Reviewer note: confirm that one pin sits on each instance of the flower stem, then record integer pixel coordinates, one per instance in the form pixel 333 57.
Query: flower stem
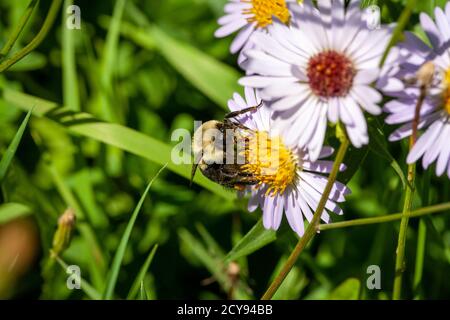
pixel 421 237
pixel 312 227
pixel 18 30
pixel 400 252
pixel 386 218
pixel 52 13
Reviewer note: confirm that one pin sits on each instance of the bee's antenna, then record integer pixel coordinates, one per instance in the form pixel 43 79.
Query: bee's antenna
pixel 194 169
pixel 234 114
pixel 259 105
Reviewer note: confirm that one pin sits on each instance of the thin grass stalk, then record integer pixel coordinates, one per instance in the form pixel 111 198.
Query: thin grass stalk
pixel 48 23
pixel 18 30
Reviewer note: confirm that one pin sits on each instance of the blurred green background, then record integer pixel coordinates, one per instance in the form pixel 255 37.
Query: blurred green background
pixel 154 66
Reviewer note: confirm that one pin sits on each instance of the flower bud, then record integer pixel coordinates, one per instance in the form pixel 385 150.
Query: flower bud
pixel 63 235
pixel 426 73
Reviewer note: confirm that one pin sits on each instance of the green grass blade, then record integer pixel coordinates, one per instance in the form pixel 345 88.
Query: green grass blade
pixel 117 261
pixel 84 189
pixel 33 61
pixel 115 135
pixel 10 211
pixel 142 292
pixel 379 146
pixel 348 290
pixel 108 66
pixel 18 29
pixel 69 70
pixel 138 282
pixel 111 46
pixel 367 3
pixel 213 78
pixel 12 148
pixel 255 239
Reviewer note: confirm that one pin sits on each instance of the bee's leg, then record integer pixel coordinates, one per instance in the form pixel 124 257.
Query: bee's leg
pixel 234 114
pixel 194 169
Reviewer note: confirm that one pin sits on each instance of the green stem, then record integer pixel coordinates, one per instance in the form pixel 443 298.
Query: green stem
pixel 52 13
pixel 312 227
pixel 385 218
pixel 421 236
pixel 18 30
pixel 409 195
pixel 420 255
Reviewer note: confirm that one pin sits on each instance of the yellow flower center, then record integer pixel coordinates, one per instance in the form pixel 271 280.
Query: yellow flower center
pixel 262 11
pixel 447 92
pixel 270 162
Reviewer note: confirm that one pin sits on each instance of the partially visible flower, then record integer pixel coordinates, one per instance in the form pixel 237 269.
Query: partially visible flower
pixel 319 68
pixel 248 16
pixel 400 81
pixel 289 182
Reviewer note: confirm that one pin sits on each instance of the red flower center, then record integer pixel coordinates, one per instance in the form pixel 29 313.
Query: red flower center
pixel 330 74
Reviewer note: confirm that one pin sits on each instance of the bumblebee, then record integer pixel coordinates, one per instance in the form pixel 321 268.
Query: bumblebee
pixel 215 143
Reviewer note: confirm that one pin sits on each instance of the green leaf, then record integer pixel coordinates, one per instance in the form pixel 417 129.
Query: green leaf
pixel 255 239
pixel 10 211
pixel 33 61
pixel 138 282
pixel 379 146
pixel 213 78
pixel 348 290
pixel 353 160
pixel 117 261
pixel 12 148
pixel 115 135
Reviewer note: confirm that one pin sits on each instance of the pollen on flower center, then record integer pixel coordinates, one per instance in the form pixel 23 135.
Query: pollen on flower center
pixel 270 162
pixel 330 74
pixel 262 11
pixel 447 92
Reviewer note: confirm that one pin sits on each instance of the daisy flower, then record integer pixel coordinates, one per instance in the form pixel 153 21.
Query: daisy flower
pixel 249 16
pixel 399 81
pixel 288 181
pixel 319 68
